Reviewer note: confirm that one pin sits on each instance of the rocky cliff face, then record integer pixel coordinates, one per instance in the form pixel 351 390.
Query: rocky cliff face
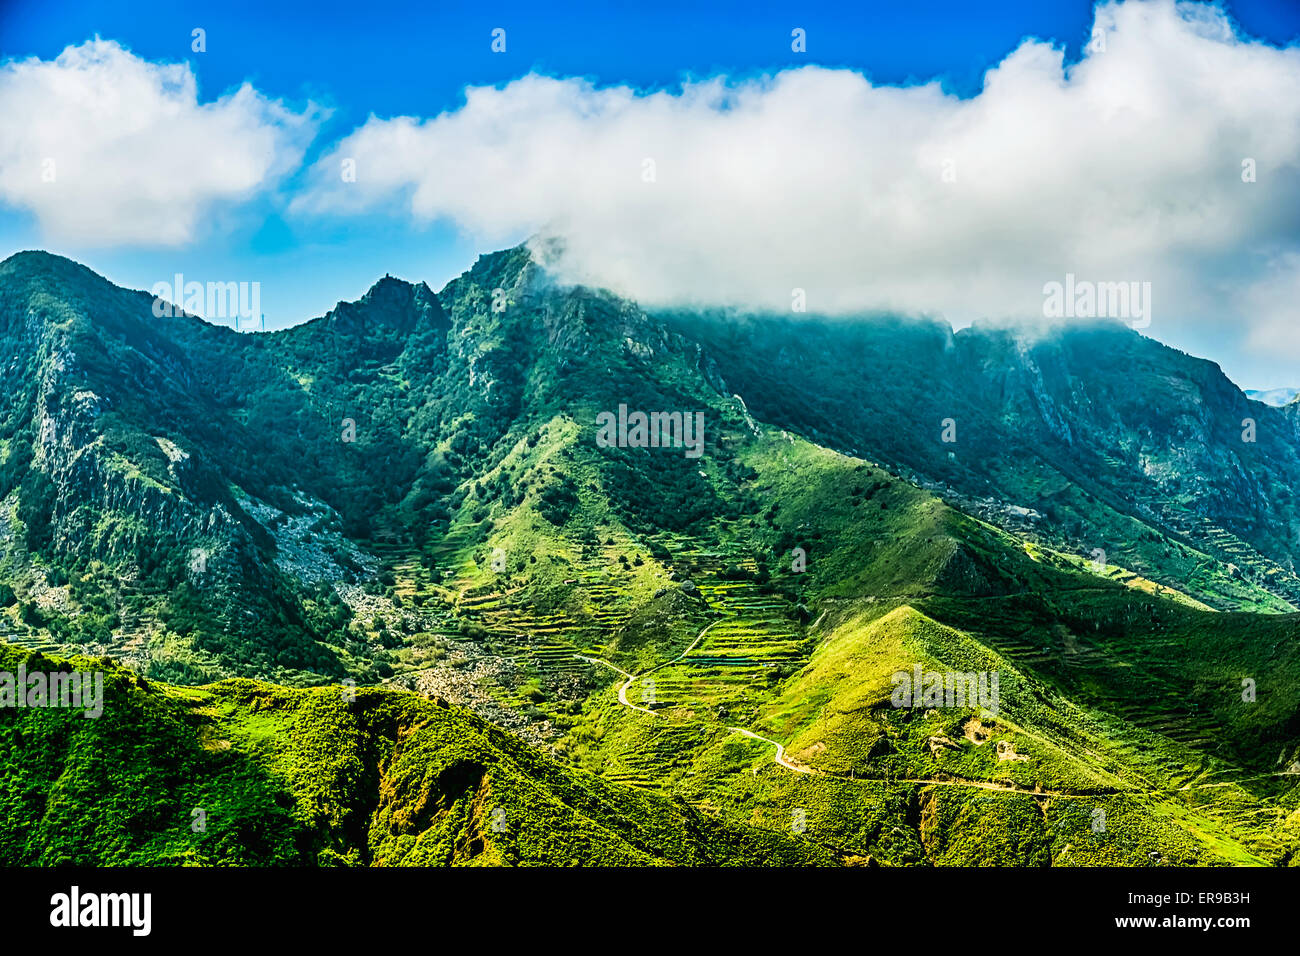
pixel 112 468
pixel 1159 428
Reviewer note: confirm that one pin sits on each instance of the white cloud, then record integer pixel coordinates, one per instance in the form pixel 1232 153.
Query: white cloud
pixel 104 147
pixel 1124 166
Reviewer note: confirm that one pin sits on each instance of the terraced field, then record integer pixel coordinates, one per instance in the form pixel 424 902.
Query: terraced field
pixel 461 600
pixel 31 641
pixel 753 633
pixel 1244 559
pixel 667 749
pixel 749 638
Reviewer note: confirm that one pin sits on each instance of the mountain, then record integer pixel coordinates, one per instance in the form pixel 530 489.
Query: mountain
pixel 1276 397
pixel 687 648
pixel 1086 437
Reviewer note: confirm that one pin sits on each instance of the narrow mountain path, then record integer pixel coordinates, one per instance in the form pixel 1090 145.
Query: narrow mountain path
pixel 1227 783
pixel 781 758
pixel 789 764
pixel 622 691
pixel 990 785
pixel 597 660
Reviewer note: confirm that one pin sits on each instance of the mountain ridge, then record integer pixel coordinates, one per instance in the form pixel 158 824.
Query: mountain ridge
pixel 410 492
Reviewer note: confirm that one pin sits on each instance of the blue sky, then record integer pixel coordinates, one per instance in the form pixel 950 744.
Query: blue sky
pixel 392 59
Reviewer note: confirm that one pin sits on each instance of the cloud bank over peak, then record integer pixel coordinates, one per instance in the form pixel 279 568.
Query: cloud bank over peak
pixel 104 147
pixel 1130 165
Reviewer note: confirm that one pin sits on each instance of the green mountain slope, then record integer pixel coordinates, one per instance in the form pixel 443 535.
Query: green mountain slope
pixel 244 773
pixel 1112 699
pixel 410 492
pixel 1085 437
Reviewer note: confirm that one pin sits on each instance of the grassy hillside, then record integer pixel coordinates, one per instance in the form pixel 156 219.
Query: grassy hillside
pixel 307 777
pixel 1098 710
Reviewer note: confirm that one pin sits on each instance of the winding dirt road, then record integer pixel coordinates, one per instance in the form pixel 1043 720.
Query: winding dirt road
pixel 781 758
pixel 622 691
